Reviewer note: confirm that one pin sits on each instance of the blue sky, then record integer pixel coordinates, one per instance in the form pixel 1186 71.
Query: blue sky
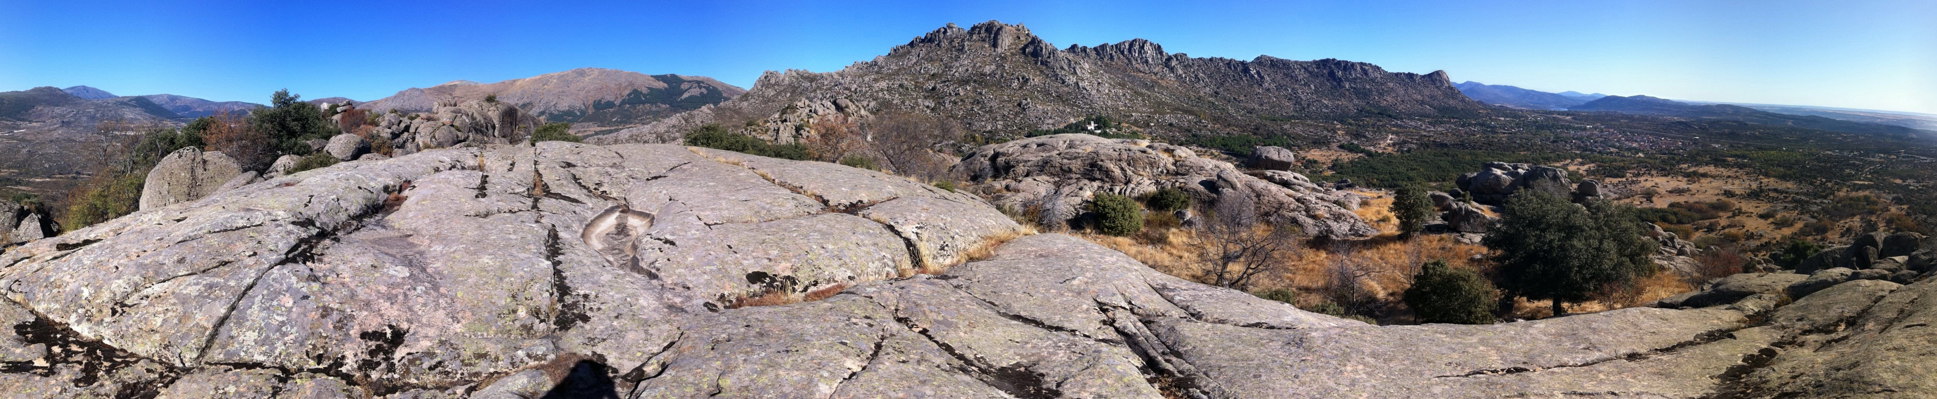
pixel 1850 53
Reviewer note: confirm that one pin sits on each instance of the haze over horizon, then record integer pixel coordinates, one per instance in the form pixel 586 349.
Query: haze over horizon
pixel 1856 54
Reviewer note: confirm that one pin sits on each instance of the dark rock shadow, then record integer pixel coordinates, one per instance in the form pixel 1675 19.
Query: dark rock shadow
pixel 588 379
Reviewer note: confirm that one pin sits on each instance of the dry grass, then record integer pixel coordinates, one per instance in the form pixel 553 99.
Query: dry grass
pixel 1387 262
pixel 1326 157
pixel 785 297
pixel 1377 210
pixel 1645 291
pixel 986 249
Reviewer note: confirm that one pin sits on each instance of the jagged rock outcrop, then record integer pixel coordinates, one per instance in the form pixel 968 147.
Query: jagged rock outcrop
pixel 567 269
pixel 1876 250
pixel 1054 175
pixel 474 122
pixel 186 175
pixel 1001 78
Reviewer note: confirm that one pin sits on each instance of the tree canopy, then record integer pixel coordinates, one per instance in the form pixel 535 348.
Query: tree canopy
pixel 1549 248
pixel 290 123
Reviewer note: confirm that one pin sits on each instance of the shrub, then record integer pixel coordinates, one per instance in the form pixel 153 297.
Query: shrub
pixel 1442 294
pixel 103 198
pixel 290 123
pixel 313 161
pixel 716 137
pixel 555 132
pixel 1413 208
pixel 946 185
pixel 492 98
pixel 1116 215
pixel 115 189
pixel 1548 248
pixel 1280 295
pixel 1169 200
pixel 859 162
pixel 235 137
pixel 1794 252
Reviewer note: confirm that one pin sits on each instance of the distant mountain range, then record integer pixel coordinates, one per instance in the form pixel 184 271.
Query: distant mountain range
pixel 1645 105
pixel 1515 97
pixel 593 97
pixel 1823 118
pixel 1000 79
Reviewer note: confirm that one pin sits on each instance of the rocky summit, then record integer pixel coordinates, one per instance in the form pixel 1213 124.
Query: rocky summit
pixel 997 77
pixel 647 271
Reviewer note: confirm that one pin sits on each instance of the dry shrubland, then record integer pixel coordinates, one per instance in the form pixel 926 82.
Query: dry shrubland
pixel 1364 277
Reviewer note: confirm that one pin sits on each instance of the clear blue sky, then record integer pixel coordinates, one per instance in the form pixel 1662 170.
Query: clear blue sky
pixel 1848 53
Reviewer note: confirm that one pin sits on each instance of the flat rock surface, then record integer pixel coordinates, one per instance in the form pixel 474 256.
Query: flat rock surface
pixel 620 271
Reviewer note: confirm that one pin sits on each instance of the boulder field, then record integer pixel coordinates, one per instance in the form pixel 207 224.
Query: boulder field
pixel 627 271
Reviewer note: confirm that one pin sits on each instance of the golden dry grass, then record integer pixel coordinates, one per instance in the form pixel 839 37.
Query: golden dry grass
pixel 986 249
pixel 784 297
pixel 1645 291
pixel 1326 157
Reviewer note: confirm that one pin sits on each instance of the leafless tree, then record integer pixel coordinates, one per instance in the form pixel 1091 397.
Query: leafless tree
pixel 1344 275
pixel 907 141
pixel 836 137
pixel 234 136
pixel 1239 245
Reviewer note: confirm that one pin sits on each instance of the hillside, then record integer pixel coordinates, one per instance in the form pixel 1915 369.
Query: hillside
pixel 998 80
pixel 191 107
pixel 592 96
pixel 48 137
pixel 1511 96
pixel 89 93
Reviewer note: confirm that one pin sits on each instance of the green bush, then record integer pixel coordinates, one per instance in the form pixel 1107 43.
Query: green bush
pixel 716 137
pixel 1280 295
pixel 313 161
pixel 555 132
pixel 1442 294
pixel 1413 208
pixel 1548 248
pixel 291 123
pixel 1169 200
pixel 1116 215
pixel 1794 252
pixel 859 162
pixel 946 185
pixel 102 199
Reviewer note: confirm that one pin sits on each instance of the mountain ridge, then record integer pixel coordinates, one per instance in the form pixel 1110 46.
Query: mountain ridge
pixel 1000 79
pixel 595 96
pixel 1516 97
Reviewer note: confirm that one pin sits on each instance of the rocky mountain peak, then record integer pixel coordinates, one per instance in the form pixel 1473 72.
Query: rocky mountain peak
pixel 88 92
pixel 1134 51
pixel 996 77
pixel 1000 37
